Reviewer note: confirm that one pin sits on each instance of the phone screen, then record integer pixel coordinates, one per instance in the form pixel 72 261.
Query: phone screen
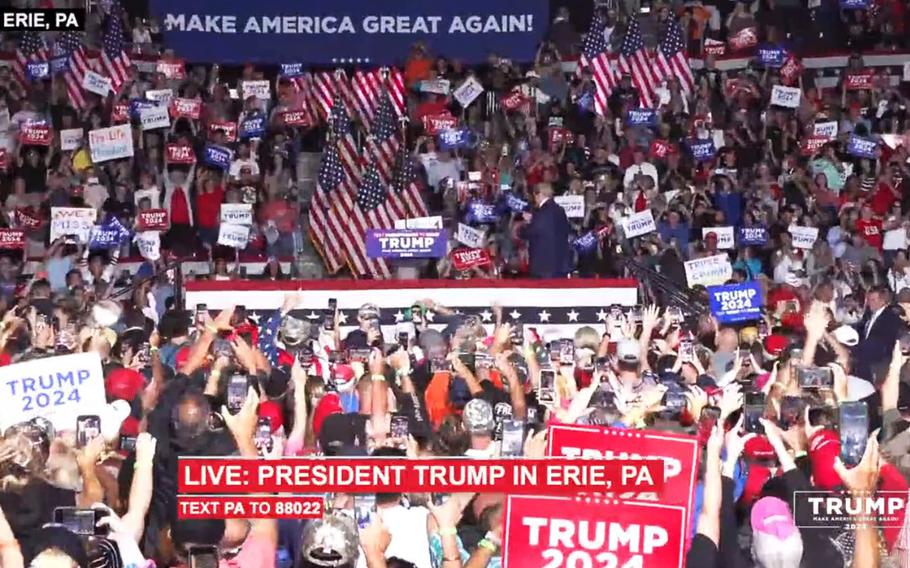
pixel 791 409
pixel 364 509
pixel 329 321
pixel 399 426
pixel 752 411
pixel 74 519
pixel 237 390
pixel 87 429
pixel 567 352
pixel 513 432
pixel 854 431
pixel 201 310
pixel 708 420
pixel 263 437
pixel 517 335
pixel 203 557
pixel 128 443
pixel 546 394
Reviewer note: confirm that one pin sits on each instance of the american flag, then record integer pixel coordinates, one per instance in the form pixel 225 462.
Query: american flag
pixel 368 87
pixel 330 86
pixel 595 56
pixel 304 85
pixel 115 61
pixel 70 45
pixel 338 225
pixel 634 60
pixel 672 58
pixel 383 149
pixel 404 183
pixel 31 48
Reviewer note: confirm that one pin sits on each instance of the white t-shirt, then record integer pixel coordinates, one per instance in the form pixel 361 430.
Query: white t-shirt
pixel 408 529
pixel 644 169
pixel 237 164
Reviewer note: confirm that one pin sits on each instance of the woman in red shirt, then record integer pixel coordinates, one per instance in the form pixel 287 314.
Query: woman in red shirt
pixel 870 228
pixel 208 209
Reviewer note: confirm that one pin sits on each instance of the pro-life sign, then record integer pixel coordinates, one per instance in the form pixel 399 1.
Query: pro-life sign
pixel 736 302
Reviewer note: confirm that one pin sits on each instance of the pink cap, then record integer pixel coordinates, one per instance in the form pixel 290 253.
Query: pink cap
pixel 771 516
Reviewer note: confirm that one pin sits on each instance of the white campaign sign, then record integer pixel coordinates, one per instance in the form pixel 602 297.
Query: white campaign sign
pixel 725 239
pixel 468 91
pixel 71 138
pixel 709 271
pixel 237 213
pixel 827 129
pixel 95 83
pixel 785 96
pixel 259 89
pixel 434 222
pixel 111 143
pixel 640 223
pixel 160 96
pixel 58 388
pixel 77 221
pixel 803 237
pixel 573 204
pixel 149 244
pixel 438 86
pixel 234 236
pixel 469 236
pixel 155 117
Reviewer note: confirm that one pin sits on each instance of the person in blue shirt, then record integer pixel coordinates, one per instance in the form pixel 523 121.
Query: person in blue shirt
pixel 728 200
pixel 673 226
pixel 748 262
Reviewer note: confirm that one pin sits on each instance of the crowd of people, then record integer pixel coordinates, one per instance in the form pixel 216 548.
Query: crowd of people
pixel 767 399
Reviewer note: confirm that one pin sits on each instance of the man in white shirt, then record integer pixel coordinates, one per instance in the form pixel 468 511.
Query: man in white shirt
pixel 444 167
pixel 639 167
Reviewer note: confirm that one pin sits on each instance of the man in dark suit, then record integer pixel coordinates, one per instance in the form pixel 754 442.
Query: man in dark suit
pixel 547 234
pixel 879 328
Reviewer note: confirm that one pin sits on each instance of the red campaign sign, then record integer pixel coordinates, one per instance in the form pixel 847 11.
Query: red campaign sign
pixel 179 154
pixel 120 113
pixel 465 259
pixel 715 49
pixel 230 130
pixel 558 134
pixel 172 69
pixel 544 532
pixel 513 100
pixel 858 81
pixel 811 145
pixel 790 70
pixel 152 220
pixel 679 453
pixel 4 159
pixel 743 39
pixel 186 108
pixel 12 239
pixel 436 123
pixel 295 118
pixel 659 149
pixel 27 219
pixel 35 135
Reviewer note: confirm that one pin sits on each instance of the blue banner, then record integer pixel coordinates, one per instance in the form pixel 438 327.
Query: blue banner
pixel 771 55
pixel 455 138
pixel 641 117
pixel 218 156
pixel 586 243
pixel 515 203
pixel 139 105
pixel 38 70
pixel 345 31
pixel 252 127
pixel 59 64
pixel 291 69
pixel 702 150
pixel 854 4
pixel 480 212
pixel 861 147
pixel 108 235
pixel 753 236
pixel 406 243
pixel 736 302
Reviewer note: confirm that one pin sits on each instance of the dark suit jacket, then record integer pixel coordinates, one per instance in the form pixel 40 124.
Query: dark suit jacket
pixel 876 349
pixel 548 240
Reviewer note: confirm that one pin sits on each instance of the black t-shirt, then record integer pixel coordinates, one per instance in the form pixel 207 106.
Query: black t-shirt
pixel 33 506
pixel 703 553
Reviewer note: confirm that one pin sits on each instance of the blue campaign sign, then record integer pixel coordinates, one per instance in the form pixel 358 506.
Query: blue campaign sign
pixel 452 138
pixel 641 117
pixel 771 55
pixel 218 156
pixel 753 236
pixel 139 105
pixel 480 212
pixel 274 31
pixel 736 302
pixel 585 243
pixel 253 127
pixel 406 243
pixel 38 70
pixel 854 4
pixel 110 234
pixel 515 203
pixel 861 147
pixel 702 150
pixel 59 64
pixel 291 69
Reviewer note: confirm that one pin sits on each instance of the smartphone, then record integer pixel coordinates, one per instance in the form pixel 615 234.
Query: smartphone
pixel 686 350
pixel 305 356
pixel 364 509
pixel 905 343
pixel 399 426
pixel 517 335
pixel 601 365
pixel 79 521
pixel 811 377
pixel 237 390
pixel 201 311
pixel 144 354
pixel 416 314
pixel 513 437
pixel 752 411
pixel 791 409
pixel 546 391
pixel 675 315
pixel 820 416
pixel 263 437
pixel 127 443
pixel 329 322
pixel 403 339
pixel 439 364
pixel 708 419
pixel 854 431
pixel 203 557
pixel 88 427
pixel 467 359
pixel 567 352
pixel 359 355
pixel 674 401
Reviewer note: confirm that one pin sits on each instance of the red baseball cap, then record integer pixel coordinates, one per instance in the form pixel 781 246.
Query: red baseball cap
pixel 271 410
pixel 124 384
pixel 775 344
